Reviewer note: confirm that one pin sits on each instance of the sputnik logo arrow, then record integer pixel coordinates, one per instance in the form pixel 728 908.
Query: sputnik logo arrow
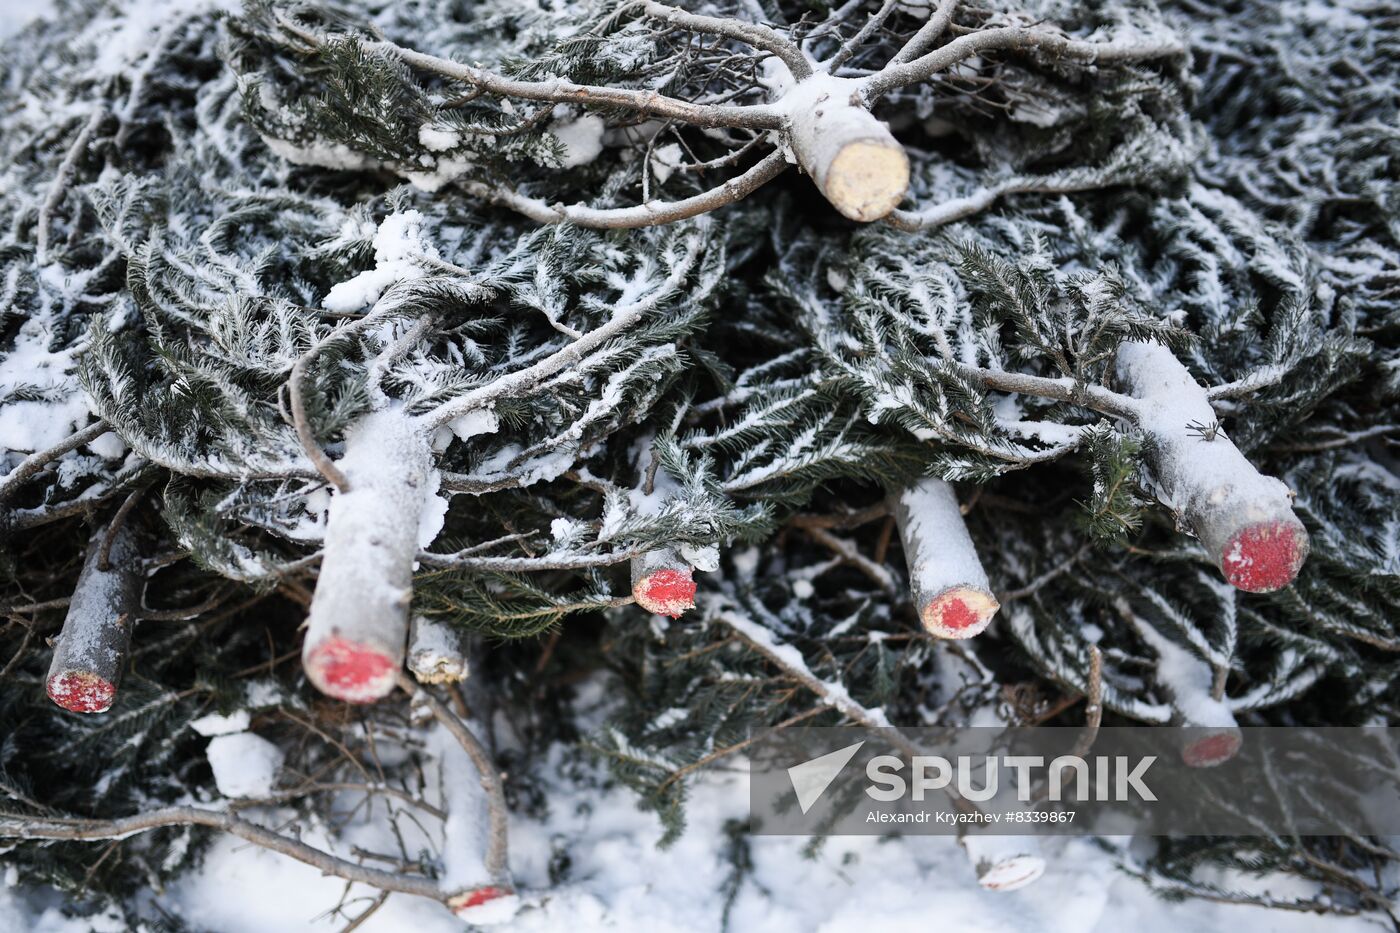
pixel 811 778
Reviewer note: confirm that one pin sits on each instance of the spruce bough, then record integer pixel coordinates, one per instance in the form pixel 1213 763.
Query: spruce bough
pixel 513 349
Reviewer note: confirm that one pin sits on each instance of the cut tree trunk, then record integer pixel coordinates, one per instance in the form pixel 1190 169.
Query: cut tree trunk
pixel 950 588
pixel 855 161
pixel 480 889
pixel 662 582
pixel 358 624
pixel 436 654
pixel 1208 746
pixel 1004 863
pixel 91 650
pixel 1208 735
pixel 1244 519
pixel 475 878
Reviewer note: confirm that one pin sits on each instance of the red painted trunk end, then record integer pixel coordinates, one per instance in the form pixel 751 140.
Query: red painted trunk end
pixel 467 900
pixel 82 692
pixel 1212 750
pixel 1263 558
pixel 351 671
pixel 666 592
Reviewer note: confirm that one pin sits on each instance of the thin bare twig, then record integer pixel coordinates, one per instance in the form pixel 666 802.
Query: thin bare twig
pixel 118 520
pixel 39 459
pixel 755 34
pixel 651 213
pixel 81 830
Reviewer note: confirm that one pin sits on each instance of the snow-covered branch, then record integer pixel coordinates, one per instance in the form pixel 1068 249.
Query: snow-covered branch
pixel 646 214
pixel 1014 38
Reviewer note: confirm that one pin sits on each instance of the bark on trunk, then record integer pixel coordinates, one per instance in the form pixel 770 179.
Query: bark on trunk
pixel 854 159
pixel 1244 519
pixel 950 588
pixel 91 649
pixel 435 652
pixel 1004 863
pixel 662 582
pixel 358 624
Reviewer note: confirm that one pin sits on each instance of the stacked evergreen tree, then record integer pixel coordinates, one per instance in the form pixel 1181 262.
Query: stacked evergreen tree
pixel 1068 371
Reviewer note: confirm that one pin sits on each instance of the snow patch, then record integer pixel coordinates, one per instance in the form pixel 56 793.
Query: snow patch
pixel 245 765
pixel 215 724
pixel 582 139
pixel 398 242
pixel 438 139
pixel 474 423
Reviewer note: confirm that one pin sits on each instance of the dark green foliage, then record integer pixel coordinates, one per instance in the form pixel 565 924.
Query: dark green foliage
pixel 232 202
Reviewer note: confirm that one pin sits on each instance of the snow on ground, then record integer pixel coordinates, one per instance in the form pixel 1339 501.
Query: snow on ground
pixel 15 14
pixel 620 881
pixel 617 880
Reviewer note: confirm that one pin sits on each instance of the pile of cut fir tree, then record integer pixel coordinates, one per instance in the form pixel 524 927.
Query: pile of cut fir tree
pixel 374 373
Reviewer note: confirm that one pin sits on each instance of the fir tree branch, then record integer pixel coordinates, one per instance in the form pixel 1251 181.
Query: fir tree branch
pixel 61 181
pixel 560 91
pixel 621 320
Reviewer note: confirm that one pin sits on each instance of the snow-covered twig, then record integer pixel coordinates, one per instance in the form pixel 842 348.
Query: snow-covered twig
pixel 647 214
pixel 1095 398
pixel 755 34
pixel 36 461
pixel 82 830
pixel 939 19
pixel 295 401
pixel 560 91
pixel 900 74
